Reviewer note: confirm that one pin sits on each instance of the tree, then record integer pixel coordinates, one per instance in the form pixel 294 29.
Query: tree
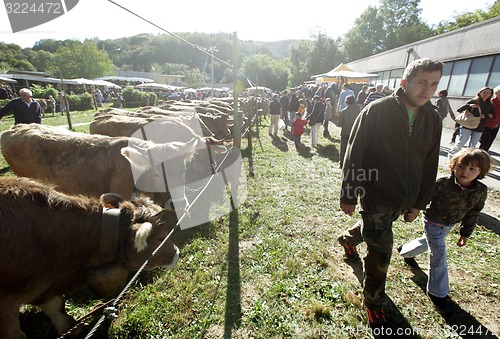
pixel 42 60
pixel 469 18
pixel 324 55
pixel 299 57
pixel 265 71
pixel 14 58
pixel 309 58
pixel 193 76
pixel 80 60
pixel 402 23
pixel 366 37
pixel 48 45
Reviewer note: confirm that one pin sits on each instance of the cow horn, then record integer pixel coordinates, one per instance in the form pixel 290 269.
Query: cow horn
pixel 159 216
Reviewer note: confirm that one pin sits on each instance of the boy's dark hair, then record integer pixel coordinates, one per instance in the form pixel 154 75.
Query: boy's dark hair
pixel 424 65
pixel 472 156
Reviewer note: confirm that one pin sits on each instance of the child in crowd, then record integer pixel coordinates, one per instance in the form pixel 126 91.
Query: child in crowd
pixel 328 117
pixel 302 106
pixel 457 198
pixel 298 125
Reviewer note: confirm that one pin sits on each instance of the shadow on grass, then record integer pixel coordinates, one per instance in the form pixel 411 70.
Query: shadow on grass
pixel 233 293
pixel 328 151
pixel 280 143
pixel 490 222
pixel 37 325
pixel 4 170
pixel 304 151
pixel 396 322
pixel 460 321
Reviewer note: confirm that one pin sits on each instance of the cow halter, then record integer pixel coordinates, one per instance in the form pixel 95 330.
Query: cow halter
pixel 109 235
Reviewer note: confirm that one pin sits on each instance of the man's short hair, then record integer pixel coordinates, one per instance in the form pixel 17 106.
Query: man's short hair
pixel 25 91
pixel 424 65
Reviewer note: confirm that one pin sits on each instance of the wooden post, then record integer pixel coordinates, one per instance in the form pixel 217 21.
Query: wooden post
pixel 65 99
pixel 236 111
pixel 68 115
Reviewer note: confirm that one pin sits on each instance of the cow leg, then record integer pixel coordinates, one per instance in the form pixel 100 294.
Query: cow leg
pixel 54 308
pixel 9 320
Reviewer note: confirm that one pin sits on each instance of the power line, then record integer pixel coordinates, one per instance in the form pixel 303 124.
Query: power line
pixel 202 49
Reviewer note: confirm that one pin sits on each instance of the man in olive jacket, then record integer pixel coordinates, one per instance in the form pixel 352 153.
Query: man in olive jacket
pixel 390 165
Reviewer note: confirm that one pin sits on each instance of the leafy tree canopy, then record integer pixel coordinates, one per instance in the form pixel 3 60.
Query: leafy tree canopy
pixel 469 18
pixel 80 60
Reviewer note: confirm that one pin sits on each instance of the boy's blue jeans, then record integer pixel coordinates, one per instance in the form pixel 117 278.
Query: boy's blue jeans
pixel 434 238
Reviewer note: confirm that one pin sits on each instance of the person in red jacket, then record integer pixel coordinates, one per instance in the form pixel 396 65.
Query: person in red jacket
pixel 298 124
pixel 491 127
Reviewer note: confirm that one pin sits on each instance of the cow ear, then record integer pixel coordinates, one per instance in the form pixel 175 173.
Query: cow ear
pixel 141 236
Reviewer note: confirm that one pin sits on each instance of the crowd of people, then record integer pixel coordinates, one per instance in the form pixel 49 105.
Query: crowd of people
pixel 337 108
pixel 320 106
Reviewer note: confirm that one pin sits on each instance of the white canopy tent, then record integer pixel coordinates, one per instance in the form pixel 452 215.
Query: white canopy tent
pixel 342 72
pixel 349 75
pixel 106 84
pixel 153 86
pixel 8 80
pixel 125 79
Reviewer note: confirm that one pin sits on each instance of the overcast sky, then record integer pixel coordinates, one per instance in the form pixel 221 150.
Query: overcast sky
pixel 258 20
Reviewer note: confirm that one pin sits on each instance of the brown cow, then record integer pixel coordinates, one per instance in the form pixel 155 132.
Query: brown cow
pixel 175 128
pixel 51 244
pixel 79 163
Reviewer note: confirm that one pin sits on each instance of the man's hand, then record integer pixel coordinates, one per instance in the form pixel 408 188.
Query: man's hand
pixel 347 209
pixel 411 214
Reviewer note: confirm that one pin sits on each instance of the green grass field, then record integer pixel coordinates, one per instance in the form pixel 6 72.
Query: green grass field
pixel 273 269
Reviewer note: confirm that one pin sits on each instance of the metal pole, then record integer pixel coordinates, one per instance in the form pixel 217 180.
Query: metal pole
pixel 213 81
pixel 236 112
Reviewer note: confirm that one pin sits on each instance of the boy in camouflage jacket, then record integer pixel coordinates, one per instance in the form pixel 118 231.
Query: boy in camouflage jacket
pixel 457 198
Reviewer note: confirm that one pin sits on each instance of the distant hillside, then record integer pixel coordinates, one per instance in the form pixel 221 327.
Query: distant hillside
pixel 280 49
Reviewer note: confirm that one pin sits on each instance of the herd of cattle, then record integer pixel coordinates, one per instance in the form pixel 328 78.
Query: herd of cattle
pixel 57 236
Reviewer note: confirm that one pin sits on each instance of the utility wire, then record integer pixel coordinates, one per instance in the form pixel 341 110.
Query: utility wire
pixel 202 49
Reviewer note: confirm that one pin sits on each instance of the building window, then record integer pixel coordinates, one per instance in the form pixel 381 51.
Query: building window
pixel 494 79
pixel 478 75
pixel 458 77
pixel 395 78
pixel 445 79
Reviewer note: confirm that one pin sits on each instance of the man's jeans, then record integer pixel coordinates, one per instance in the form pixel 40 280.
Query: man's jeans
pixel 376 230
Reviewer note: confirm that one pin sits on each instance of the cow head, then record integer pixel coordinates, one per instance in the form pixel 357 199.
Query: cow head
pixel 148 231
pixel 161 168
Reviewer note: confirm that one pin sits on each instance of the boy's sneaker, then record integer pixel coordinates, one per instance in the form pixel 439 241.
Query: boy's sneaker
pixel 409 261
pixel 351 252
pixel 376 315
